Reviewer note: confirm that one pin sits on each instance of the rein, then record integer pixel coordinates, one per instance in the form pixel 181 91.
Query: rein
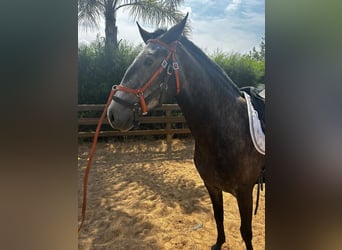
pixel 139 92
pixel 92 151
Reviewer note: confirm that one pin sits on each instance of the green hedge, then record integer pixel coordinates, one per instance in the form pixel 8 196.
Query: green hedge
pixel 99 70
pixel 242 69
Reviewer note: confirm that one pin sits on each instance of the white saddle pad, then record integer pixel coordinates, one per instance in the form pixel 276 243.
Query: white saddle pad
pixel 257 135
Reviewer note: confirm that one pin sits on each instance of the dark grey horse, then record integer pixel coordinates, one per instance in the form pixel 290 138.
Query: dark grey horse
pixel 170 66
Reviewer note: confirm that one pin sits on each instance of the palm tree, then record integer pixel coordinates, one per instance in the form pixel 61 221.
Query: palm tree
pixel 149 11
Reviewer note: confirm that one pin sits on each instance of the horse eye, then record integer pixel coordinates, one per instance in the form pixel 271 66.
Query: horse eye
pixel 148 62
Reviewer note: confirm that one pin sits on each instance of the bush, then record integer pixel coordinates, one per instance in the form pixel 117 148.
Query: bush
pixel 242 69
pixel 99 70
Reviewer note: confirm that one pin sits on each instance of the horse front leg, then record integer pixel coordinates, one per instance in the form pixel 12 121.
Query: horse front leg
pixel 245 202
pixel 217 202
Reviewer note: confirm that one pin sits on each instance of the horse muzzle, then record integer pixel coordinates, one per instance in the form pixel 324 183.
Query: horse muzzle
pixel 121 117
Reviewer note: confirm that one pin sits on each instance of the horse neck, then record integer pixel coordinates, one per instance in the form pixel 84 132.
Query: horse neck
pixel 203 98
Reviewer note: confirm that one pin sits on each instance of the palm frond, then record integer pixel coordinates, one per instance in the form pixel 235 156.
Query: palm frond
pixel 89 13
pixel 158 13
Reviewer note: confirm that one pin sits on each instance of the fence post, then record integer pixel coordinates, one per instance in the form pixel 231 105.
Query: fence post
pixel 168 135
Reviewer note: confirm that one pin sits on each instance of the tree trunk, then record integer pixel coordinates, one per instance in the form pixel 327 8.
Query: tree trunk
pixel 111 29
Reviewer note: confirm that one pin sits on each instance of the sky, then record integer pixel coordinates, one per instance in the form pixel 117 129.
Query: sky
pixel 223 25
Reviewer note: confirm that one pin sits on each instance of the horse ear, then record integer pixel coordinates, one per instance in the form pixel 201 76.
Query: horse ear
pixel 144 34
pixel 175 32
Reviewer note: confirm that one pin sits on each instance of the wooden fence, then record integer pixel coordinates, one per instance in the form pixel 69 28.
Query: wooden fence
pixel 171 117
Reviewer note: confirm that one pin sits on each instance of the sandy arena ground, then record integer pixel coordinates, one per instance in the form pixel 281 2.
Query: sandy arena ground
pixel 140 197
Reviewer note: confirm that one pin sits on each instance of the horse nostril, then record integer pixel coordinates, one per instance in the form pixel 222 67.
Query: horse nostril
pixel 111 117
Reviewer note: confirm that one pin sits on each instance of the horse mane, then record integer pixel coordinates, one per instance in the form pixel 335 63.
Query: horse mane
pixel 218 74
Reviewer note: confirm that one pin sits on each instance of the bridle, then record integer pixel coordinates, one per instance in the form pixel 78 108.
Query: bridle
pixel 139 92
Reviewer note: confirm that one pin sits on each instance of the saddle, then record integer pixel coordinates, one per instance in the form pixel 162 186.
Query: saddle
pixel 258 102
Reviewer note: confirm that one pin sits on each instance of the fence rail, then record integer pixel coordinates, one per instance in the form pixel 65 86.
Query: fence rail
pixel 174 122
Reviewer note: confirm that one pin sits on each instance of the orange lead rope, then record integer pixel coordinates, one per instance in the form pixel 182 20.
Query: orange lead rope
pixel 92 151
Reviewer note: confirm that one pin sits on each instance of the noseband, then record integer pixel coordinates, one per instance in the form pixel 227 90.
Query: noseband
pixel 165 65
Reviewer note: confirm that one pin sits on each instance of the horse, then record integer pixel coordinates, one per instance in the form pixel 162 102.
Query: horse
pixel 171 67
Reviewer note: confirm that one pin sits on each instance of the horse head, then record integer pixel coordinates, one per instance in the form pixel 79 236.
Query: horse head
pixel 151 78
